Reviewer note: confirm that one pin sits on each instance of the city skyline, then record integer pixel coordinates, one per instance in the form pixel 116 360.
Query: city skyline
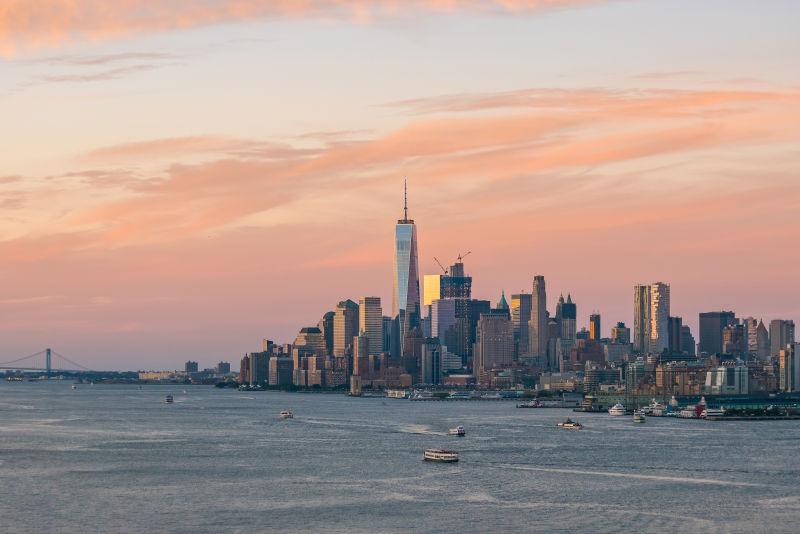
pixel 155 212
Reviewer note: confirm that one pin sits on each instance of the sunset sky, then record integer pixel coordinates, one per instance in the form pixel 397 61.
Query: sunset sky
pixel 181 181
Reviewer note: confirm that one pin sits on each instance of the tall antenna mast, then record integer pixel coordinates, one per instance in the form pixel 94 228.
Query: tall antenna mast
pixel 405 199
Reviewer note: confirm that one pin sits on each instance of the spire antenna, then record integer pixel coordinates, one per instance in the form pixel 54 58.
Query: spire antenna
pixel 405 198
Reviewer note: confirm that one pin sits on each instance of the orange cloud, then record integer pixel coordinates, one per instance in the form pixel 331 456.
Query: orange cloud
pixel 37 23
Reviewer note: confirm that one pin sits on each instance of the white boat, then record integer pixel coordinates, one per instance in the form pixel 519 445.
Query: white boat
pixel 530 404
pixel 74 386
pixel 168 399
pixel 286 415
pixel 638 416
pixel 457 431
pixel 654 408
pixel 690 412
pixel 712 412
pixel 569 424
pixel 440 455
pixel 617 409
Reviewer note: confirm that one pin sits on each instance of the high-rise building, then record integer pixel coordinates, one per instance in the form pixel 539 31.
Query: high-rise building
pixel 751 335
pixel 674 333
pixel 789 367
pixel 280 371
pixel 520 315
pixel 345 327
pixel 687 341
pixel 621 334
pixel 326 327
pixel 370 321
pixel 762 342
pixel 191 367
pixel 494 343
pixel 734 340
pixel 310 341
pixel 711 326
pixel 781 333
pixel 431 371
pixel 431 288
pixel 456 284
pixel 223 368
pixel 641 319
pixel 659 317
pixel 537 324
pixel 443 320
pixel 386 346
pixel 405 291
pixel 258 373
pixel 568 319
pixel 594 327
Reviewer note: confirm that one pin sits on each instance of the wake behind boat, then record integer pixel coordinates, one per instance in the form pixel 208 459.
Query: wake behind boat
pixel 440 455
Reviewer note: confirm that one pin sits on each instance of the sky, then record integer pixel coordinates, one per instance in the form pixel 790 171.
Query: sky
pixel 181 179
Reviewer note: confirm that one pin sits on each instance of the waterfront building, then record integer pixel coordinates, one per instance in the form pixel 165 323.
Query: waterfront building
pixel 711 326
pixel 520 316
pixel 244 370
pixel 621 334
pixel 405 282
pixel 310 340
pixel 781 334
pixel 687 342
pixel 223 368
pixel 641 319
pixel 659 317
pixel 370 321
pixel 731 378
pixel 789 367
pixel 494 343
pixel 594 327
pixel 537 324
pixel 345 327
pixel 679 378
pixel 190 367
pixel 259 368
pixel 280 371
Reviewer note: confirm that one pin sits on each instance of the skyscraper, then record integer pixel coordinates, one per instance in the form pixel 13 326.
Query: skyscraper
pixel 568 319
pixel 520 315
pixel 494 343
pixel 405 293
pixel 621 334
pixel 711 326
pixel 674 329
pixel 345 327
pixel 537 333
pixel 326 327
pixel 370 321
pixel 594 327
pixel 781 333
pixel 641 319
pixel 659 317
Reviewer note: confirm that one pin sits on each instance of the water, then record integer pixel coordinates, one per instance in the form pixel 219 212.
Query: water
pixel 117 458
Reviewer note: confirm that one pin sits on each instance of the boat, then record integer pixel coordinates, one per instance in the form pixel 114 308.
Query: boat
pixel 569 424
pixel 617 409
pixel 638 416
pixel 457 431
pixel 712 412
pixel 654 408
pixel 530 404
pixel 689 412
pixel 287 415
pixel 440 455
pixel 169 399
pixel 74 386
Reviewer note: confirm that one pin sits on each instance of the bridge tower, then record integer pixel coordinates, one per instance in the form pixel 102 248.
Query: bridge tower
pixel 48 361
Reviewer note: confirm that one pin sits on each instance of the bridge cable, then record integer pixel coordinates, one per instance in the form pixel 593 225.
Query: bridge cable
pixel 23 358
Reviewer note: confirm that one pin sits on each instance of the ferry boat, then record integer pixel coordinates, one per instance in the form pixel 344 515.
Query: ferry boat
pixel 617 409
pixel 530 404
pixel 168 399
pixel 569 424
pixel 457 431
pixel 638 416
pixel 287 415
pixel 440 455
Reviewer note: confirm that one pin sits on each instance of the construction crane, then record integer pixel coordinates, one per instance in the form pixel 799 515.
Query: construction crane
pixel 440 265
pixel 460 257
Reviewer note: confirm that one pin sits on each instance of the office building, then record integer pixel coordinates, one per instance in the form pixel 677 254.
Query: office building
pixel 781 334
pixel 431 372
pixel 621 334
pixel 567 318
pixel 762 342
pixel 258 373
pixel 431 289
pixel 310 340
pixel 789 367
pixel 537 324
pixel 494 343
pixel 687 342
pixel 711 326
pixel 345 327
pixel 520 315
pixel 641 319
pixel 594 327
pixel 734 340
pixel 405 282
pixel 280 371
pixel 190 367
pixel 223 368
pixel 674 329
pixel 370 321
pixel 325 326
pixel 731 378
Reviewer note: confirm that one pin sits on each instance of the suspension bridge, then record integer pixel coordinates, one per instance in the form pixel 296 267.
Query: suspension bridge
pixel 43 361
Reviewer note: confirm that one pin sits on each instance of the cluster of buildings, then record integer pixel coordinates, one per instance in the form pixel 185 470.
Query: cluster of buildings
pixel 191 373
pixel 444 336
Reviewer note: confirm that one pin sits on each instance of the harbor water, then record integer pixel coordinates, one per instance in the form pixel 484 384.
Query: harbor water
pixel 118 458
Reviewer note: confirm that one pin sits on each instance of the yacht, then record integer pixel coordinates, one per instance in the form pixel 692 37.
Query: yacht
pixel 617 409
pixel 570 425
pixel 168 399
pixel 287 415
pixel 457 431
pixel 638 416
pixel 440 455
